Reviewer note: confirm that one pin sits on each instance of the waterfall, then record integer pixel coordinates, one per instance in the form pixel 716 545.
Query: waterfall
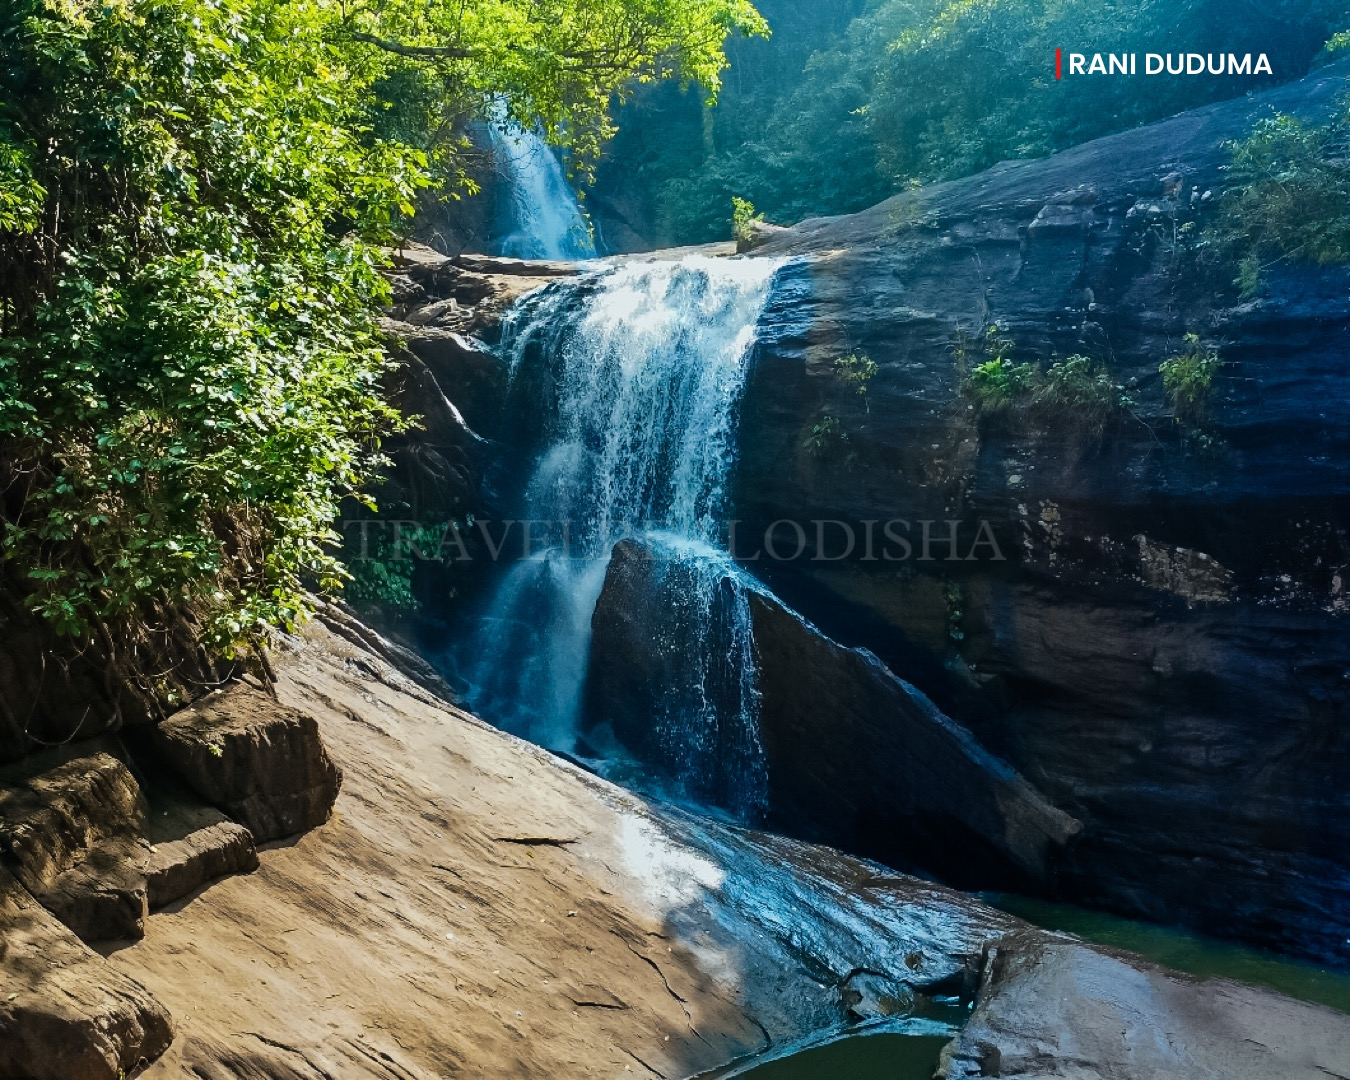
pixel 645 363
pixel 546 222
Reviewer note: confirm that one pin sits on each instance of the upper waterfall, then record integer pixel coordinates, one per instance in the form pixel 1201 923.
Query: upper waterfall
pixel 545 219
pixel 646 362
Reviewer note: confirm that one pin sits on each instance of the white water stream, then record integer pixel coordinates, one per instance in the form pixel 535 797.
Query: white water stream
pixel 647 361
pixel 545 219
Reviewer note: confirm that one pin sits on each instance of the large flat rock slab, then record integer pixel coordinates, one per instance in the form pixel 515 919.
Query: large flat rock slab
pixel 476 906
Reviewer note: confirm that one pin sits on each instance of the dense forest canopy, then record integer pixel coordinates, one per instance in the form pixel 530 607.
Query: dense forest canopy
pixel 192 198
pixel 852 101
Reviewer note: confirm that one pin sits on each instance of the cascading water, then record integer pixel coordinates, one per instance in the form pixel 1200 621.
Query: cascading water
pixel 546 222
pixel 646 362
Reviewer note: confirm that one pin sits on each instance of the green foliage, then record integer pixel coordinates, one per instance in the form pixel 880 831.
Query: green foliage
pixel 1188 378
pixel 1289 198
pixel 1076 393
pixel 556 65
pixel 826 436
pixel 382 566
pixel 995 383
pixel 192 195
pixel 856 370
pixel 189 375
pixel 853 100
pixel 1080 392
pixel 743 218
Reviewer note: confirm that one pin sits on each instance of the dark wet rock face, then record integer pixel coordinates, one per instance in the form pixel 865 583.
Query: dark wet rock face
pixel 854 752
pixel 850 750
pixel 260 762
pixel 1158 642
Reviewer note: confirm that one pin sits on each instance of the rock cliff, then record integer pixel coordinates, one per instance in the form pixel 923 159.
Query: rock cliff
pixel 1156 637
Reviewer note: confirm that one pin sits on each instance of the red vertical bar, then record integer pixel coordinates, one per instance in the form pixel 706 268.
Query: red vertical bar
pixel 1059 63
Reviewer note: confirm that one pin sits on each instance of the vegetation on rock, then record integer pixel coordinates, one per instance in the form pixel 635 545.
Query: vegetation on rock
pixel 743 218
pixel 1290 197
pixel 1188 378
pixel 1077 393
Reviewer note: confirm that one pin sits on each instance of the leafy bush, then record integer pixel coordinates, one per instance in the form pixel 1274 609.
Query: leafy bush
pixel 1289 198
pixel 1188 378
pixel 826 435
pixel 1080 392
pixel 1077 392
pixel 382 566
pixel 856 370
pixel 996 383
pixel 743 218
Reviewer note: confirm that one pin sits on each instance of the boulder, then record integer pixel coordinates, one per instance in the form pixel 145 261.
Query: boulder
pixel 82 839
pixel 189 846
pixel 853 751
pixel 260 762
pixel 72 836
pixel 104 897
pixel 66 1014
pixel 465 370
pixel 1052 1008
pixel 850 750
pixel 50 823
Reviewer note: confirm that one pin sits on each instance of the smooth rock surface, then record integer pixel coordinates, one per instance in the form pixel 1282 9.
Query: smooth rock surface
pixel 1050 1008
pixel 478 907
pixel 261 762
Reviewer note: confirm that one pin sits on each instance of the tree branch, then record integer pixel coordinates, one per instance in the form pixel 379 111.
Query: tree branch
pixel 424 52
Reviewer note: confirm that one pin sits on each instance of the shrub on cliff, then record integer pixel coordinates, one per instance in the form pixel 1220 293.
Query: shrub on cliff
pixel 1290 196
pixel 1076 394
pixel 191 197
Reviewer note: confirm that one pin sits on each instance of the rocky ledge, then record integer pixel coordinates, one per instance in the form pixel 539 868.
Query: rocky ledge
pixel 476 906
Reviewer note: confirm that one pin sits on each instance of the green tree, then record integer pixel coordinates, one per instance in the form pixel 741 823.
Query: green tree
pixel 193 195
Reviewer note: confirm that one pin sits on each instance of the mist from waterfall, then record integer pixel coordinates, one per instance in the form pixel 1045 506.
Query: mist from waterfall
pixel 647 361
pixel 545 220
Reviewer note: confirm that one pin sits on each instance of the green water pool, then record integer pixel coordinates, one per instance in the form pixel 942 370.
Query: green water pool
pixel 892 1055
pixel 884 1055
